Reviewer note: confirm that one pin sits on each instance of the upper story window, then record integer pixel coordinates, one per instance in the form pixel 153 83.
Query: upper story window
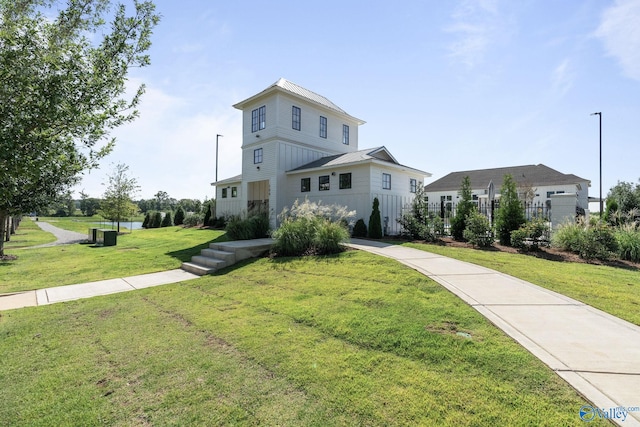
pixel 386 181
pixel 257 156
pixel 323 127
pixel 295 118
pixel 323 182
pixel 345 134
pixel 344 181
pixel 305 185
pixel 258 119
pixel 413 185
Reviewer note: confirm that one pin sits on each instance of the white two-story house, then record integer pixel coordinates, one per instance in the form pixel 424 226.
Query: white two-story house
pixel 297 144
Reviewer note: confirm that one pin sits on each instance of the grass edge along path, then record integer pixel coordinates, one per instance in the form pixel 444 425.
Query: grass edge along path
pixel 140 252
pixel 613 290
pixel 354 339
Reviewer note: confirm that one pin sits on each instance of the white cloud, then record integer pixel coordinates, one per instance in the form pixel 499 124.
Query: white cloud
pixel 620 33
pixel 475 24
pixel 563 77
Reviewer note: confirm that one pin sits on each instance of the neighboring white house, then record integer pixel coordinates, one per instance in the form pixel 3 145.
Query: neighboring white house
pixel 297 144
pixel 537 183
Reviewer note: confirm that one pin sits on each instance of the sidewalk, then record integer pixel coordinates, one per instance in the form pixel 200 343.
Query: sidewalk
pixel 88 290
pixel 596 353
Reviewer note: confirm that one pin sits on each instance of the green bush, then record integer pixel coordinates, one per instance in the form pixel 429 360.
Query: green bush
pixel 255 226
pixel 463 210
pixel 428 228
pixel 311 228
pixel 531 235
pixel 207 214
pixel 375 224
pixel 193 220
pixel 590 241
pixel 156 220
pixel 178 219
pixel 478 230
pixel 360 229
pixel 166 221
pixel 628 238
pixel 510 213
pixel 147 220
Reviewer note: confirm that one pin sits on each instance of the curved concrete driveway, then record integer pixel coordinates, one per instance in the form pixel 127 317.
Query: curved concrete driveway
pixel 596 353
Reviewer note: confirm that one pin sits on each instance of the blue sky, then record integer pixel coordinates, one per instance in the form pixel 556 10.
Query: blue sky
pixel 444 85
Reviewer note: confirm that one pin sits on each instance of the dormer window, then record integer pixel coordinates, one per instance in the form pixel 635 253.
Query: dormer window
pixel 295 118
pixel 258 119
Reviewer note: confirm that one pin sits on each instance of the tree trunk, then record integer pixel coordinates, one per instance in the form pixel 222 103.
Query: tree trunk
pixel 7 229
pixel 3 222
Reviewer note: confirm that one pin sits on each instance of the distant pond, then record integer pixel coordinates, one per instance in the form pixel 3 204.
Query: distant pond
pixel 135 225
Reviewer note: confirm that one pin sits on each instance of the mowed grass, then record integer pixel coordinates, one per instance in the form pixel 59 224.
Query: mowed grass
pixel 140 252
pixel 352 339
pixel 611 289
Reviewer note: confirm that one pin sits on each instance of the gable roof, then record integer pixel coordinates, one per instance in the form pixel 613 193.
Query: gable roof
pixel 297 91
pixel 378 154
pixel 536 175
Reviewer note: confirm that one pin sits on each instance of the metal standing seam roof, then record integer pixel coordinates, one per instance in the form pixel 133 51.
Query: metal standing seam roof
pixel 355 157
pixel 307 94
pixel 536 175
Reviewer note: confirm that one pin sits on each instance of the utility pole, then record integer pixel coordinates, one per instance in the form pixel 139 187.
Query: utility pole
pixel 601 201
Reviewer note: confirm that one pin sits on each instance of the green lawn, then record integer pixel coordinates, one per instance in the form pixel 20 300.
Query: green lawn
pixel 142 251
pixel 353 339
pixel 611 289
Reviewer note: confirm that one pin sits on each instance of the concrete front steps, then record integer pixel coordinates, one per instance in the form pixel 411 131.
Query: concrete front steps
pixel 221 255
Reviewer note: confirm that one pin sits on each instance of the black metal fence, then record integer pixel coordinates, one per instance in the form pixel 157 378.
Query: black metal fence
pixel 446 210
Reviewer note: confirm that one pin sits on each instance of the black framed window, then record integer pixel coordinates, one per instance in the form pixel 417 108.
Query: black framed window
pixel 323 127
pixel 305 185
pixel 257 156
pixel 345 134
pixel 258 119
pixel 344 181
pixel 234 191
pixel 323 182
pixel 224 193
pixel 413 185
pixel 386 181
pixel 295 118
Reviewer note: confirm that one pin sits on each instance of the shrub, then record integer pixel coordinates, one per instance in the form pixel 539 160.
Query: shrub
pixel 587 240
pixel 207 215
pixel 463 210
pixel 478 230
pixel 360 229
pixel 253 227
pixel 510 214
pixel 628 239
pixel 219 222
pixel 417 222
pixel 178 219
pixel 531 235
pixel 375 224
pixel 166 221
pixel 147 219
pixel 193 220
pixel 311 228
pixel 156 220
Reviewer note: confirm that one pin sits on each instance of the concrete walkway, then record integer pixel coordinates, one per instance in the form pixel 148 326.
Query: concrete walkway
pixel 596 353
pixel 63 237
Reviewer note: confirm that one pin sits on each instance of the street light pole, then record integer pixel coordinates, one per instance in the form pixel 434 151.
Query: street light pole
pixel 217 136
pixel 601 201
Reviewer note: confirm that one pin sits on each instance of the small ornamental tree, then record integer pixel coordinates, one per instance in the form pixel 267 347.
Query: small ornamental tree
pixel 464 208
pixel 510 214
pixel 156 220
pixel 147 220
pixel 375 224
pixel 178 219
pixel 207 214
pixel 166 221
pixel 360 229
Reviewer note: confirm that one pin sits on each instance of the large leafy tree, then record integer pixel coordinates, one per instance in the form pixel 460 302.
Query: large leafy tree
pixel 117 204
pixel 63 74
